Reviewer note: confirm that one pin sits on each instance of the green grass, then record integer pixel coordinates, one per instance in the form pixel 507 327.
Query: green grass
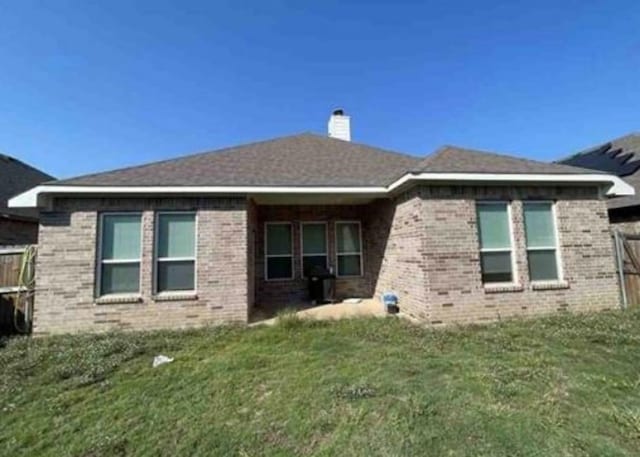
pixel 560 386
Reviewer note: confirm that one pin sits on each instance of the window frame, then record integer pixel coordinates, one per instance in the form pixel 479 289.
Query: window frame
pixel 101 261
pixel 338 254
pixel 326 243
pixel 512 245
pixel 157 259
pixel 266 251
pixel 556 238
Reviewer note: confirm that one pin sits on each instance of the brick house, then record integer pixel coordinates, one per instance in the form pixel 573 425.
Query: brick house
pixel 18 226
pixel 461 235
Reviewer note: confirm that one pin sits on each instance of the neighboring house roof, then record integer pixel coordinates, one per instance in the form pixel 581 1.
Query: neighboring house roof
pixel 309 163
pixel 298 160
pixel 453 159
pixel 620 157
pixel 17 177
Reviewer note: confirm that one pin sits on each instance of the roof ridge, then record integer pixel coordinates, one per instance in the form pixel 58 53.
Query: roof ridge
pixel 447 148
pixel 508 155
pixel 365 145
pixel 229 149
pixel 443 153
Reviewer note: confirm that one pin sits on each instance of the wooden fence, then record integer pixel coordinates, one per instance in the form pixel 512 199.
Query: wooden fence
pixel 10 264
pixel 627 248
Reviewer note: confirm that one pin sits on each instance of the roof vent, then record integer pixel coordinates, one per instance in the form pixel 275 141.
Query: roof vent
pixel 340 125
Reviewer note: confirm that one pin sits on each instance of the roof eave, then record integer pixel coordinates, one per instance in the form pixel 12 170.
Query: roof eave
pixel 39 195
pixel 613 185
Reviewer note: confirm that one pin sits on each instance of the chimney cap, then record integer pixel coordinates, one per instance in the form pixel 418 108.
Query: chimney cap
pixel 338 112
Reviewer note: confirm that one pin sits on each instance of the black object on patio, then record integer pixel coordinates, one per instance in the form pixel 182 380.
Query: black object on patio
pixel 321 284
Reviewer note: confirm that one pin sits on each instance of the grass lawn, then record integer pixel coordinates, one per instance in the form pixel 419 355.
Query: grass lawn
pixel 559 386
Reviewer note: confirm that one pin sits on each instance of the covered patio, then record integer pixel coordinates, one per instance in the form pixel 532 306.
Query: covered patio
pixel 290 238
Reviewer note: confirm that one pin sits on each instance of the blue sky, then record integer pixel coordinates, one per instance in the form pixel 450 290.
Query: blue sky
pixel 89 86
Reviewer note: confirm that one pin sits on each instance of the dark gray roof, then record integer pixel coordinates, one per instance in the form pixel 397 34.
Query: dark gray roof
pixel 298 160
pixel 17 177
pixel 453 159
pixel 309 160
pixel 620 157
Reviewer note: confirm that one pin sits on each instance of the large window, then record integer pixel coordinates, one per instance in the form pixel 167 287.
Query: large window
pixel 348 248
pixel 119 257
pixel 175 252
pixel 279 250
pixel 313 240
pixel 542 249
pixel 496 253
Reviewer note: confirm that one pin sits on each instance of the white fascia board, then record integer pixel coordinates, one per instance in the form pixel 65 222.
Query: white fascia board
pixel 616 186
pixel 30 198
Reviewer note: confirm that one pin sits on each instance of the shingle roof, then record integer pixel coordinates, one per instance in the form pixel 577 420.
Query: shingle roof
pixel 17 177
pixel 298 160
pixel 620 157
pixel 310 160
pixel 453 159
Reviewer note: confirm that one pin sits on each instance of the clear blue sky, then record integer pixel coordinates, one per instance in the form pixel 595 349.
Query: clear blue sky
pixel 89 86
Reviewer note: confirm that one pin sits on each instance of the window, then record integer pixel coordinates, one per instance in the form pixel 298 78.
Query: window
pixel 349 248
pixel 119 258
pixel 494 230
pixel 279 250
pixel 542 249
pixel 175 252
pixel 313 240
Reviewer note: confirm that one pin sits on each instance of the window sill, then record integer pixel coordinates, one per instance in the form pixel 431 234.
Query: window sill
pixel 549 285
pixel 499 288
pixel 175 296
pixel 118 298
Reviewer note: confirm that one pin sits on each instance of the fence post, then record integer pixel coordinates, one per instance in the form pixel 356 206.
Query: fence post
pixel 619 251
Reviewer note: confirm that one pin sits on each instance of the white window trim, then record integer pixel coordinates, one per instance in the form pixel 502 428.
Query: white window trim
pixel 101 261
pixel 511 250
pixel 326 244
pixel 556 248
pixel 338 254
pixel 157 259
pixel 268 256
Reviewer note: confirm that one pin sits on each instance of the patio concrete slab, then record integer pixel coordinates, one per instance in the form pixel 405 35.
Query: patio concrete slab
pixel 367 307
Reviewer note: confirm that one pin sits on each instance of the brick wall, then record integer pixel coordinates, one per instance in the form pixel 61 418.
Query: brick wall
pixel 445 220
pixel 17 232
pixel 280 293
pixel 423 244
pixel 65 274
pixel 401 228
